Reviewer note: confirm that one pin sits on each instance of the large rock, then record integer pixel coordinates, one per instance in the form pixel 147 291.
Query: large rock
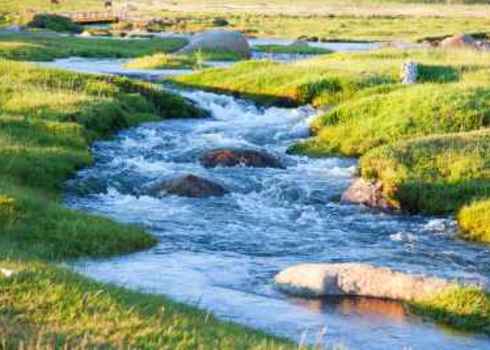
pixel 351 279
pixel 367 193
pixel 223 40
pixel 189 186
pixel 460 41
pixel 234 157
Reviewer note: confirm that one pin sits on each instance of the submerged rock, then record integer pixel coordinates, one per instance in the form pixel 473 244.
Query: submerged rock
pixel 223 40
pixel 233 157
pixel 460 41
pixel 352 279
pixel 189 186
pixel 367 193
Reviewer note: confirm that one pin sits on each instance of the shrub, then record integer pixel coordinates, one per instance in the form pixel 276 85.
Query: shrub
pixel 55 23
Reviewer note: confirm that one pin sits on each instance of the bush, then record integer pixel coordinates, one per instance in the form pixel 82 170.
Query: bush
pixel 220 22
pixel 55 23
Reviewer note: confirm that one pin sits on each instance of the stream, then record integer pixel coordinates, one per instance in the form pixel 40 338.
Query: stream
pixel 221 254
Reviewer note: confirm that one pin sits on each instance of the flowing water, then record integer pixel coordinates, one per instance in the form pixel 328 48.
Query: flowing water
pixel 221 254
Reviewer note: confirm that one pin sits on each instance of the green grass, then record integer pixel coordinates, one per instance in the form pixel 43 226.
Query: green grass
pixel 474 221
pixel 465 308
pixel 435 174
pixel 55 23
pixel 48 305
pixel 163 61
pixel 46 47
pixel 359 125
pixel 194 60
pixel 344 27
pixel 48 119
pixel 292 49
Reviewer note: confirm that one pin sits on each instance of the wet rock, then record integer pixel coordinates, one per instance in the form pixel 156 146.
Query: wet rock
pixel 367 193
pixel 189 186
pixel 231 157
pixel 460 41
pixel 223 40
pixel 352 279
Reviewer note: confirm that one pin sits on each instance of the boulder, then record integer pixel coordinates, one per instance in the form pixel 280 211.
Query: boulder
pixel 409 73
pixel 367 193
pixel 189 186
pixel 223 40
pixel 232 157
pixel 353 279
pixel 460 41
pixel 299 43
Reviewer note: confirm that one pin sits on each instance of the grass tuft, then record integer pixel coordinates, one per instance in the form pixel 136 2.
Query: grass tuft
pixel 465 308
pixel 474 221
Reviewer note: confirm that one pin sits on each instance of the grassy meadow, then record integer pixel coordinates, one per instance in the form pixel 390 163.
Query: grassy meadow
pixel 46 47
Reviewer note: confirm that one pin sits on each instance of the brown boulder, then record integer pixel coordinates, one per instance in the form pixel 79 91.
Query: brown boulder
pixel 367 193
pixel 230 158
pixel 189 186
pixel 461 41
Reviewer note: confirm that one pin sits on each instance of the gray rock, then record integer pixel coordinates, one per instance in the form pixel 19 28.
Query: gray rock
pixel 352 279
pixel 460 41
pixel 409 73
pixel 367 193
pixel 234 157
pixel 224 40
pixel 299 43
pixel 189 186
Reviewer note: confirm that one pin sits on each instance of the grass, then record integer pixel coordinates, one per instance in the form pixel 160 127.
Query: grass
pixel 336 28
pixel 474 221
pixel 466 308
pixel 48 119
pixel 337 77
pixel 292 49
pixel 163 61
pixel 362 124
pixel 46 47
pixel 436 174
pixel 55 23
pixel 72 311
pixel 195 60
